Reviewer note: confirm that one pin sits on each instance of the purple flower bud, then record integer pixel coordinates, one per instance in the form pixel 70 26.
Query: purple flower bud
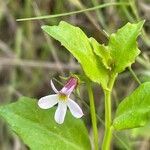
pixel 69 86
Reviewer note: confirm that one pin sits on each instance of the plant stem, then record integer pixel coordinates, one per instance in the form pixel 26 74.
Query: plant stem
pixel 73 12
pixel 134 75
pixel 108 130
pixel 93 116
pixel 108 127
pixel 124 145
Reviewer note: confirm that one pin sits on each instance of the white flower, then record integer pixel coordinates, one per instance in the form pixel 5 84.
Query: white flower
pixel 62 99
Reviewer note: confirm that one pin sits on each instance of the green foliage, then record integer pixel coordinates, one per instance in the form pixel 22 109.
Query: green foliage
pixel 134 110
pixel 103 52
pixel 74 39
pixel 123 46
pixel 38 129
pixel 142 131
pixel 97 60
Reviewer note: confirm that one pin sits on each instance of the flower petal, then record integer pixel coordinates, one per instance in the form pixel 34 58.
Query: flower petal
pixel 53 87
pixel 69 86
pixel 60 112
pixel 48 101
pixel 75 109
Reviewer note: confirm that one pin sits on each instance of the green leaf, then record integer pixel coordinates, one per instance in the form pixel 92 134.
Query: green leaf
pixel 74 39
pixel 134 110
pixel 38 129
pixel 103 52
pixel 123 46
pixel 141 132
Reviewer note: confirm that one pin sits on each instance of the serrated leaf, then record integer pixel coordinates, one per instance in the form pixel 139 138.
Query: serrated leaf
pixel 134 110
pixel 38 129
pixel 123 46
pixel 74 39
pixel 103 52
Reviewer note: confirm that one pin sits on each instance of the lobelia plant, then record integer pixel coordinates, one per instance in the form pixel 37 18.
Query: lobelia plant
pixel 62 98
pixel 101 64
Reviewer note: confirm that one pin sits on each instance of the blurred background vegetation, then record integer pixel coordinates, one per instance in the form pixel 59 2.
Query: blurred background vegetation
pixel 29 58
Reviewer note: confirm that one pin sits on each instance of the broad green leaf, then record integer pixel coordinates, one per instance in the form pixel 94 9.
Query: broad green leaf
pixel 103 52
pixel 123 46
pixel 38 129
pixel 134 110
pixel 74 39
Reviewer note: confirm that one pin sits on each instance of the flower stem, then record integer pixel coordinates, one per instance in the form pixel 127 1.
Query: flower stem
pixel 93 116
pixel 108 121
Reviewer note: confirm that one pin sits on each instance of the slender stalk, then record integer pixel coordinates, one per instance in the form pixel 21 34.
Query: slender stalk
pixel 93 116
pixel 125 146
pixel 73 12
pixel 108 120
pixel 134 75
pixel 108 130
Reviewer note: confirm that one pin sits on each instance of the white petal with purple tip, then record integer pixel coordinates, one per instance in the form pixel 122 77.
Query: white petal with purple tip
pixel 74 108
pixel 60 112
pixel 48 101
